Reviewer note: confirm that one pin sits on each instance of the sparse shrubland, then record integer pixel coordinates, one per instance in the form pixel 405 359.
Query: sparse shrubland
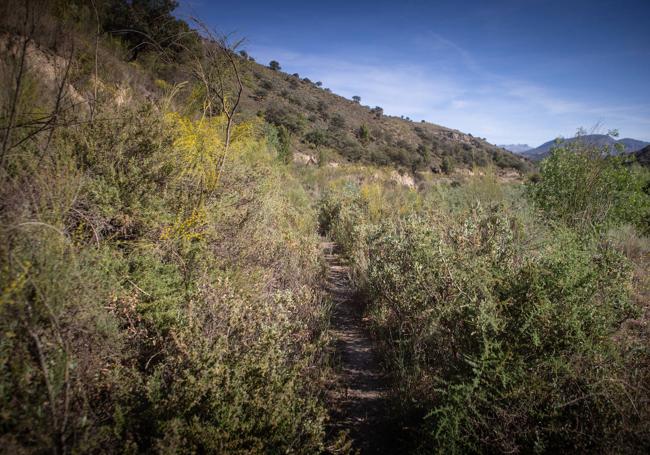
pixel 161 274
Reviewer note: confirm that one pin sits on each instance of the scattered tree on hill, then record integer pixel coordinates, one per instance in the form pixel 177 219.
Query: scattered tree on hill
pixel 356 98
pixel 447 165
pixel 274 65
pixel 316 137
pixel 363 133
pixel 244 54
pixel 319 84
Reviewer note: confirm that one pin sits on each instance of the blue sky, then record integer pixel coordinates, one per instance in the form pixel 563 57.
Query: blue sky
pixel 512 71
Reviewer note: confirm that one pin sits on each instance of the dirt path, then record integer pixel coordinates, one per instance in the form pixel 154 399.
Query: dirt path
pixel 359 399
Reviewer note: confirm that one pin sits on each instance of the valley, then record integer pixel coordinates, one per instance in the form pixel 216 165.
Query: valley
pixel 201 253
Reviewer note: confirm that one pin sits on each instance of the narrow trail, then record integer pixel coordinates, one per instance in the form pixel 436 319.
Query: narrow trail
pixel 359 398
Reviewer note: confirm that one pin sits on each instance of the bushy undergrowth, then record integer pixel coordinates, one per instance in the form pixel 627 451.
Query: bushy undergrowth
pixel 160 284
pixel 154 301
pixel 588 188
pixel 499 333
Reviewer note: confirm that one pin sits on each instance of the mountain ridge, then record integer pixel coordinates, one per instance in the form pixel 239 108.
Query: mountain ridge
pixel 602 140
pixel 516 148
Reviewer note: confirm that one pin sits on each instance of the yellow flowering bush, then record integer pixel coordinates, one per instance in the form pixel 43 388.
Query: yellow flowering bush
pixel 198 147
pixel 187 228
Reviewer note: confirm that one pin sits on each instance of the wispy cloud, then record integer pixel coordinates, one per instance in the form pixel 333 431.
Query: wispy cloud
pixel 398 88
pixel 460 93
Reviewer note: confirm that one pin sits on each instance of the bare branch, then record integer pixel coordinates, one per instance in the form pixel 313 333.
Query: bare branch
pixel 217 69
pixel 16 95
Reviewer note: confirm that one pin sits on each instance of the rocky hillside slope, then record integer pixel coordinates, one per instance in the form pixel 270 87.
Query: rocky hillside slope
pixel 318 123
pixel 319 119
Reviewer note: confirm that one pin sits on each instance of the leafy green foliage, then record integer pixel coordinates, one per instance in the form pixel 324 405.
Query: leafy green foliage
pixel 337 123
pixel 147 25
pixel 363 133
pixel 316 138
pixel 284 145
pixel 481 332
pixel 289 118
pixel 447 165
pixel 580 185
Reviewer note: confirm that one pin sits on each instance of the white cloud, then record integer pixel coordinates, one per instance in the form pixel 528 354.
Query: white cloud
pixel 460 104
pixel 461 95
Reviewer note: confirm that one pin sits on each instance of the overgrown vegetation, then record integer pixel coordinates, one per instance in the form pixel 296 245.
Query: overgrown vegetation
pixel 502 327
pixel 160 271
pixel 157 295
pixel 584 186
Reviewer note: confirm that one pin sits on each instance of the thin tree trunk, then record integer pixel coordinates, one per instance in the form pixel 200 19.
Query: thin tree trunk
pixel 14 100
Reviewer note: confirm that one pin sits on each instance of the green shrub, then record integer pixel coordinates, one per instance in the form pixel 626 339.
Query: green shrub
pixel 585 187
pixel 363 133
pixel 447 165
pixel 285 154
pixel 501 350
pixel 316 137
pixel 499 334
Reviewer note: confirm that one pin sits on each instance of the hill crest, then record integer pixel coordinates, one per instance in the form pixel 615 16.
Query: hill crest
pixel 603 140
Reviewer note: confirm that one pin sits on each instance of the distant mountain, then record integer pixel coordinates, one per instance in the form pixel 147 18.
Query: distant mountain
pixel 643 156
pixel 516 148
pixel 629 145
pixel 633 145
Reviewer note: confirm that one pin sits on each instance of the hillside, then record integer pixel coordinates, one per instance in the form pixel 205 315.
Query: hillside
pixel 632 145
pixel 643 156
pixel 600 140
pixel 348 130
pixel 203 255
pixel 320 123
